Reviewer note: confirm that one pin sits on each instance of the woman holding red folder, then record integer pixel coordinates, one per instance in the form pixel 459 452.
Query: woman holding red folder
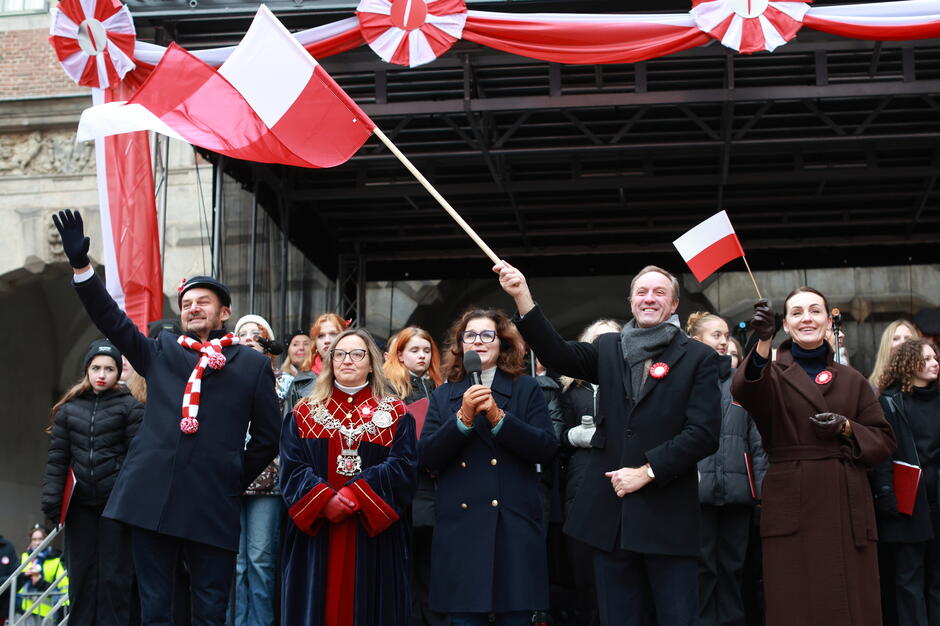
pixel 912 407
pixel 91 431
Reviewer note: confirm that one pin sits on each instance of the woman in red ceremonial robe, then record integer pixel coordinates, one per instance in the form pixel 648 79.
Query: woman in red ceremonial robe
pixel 348 471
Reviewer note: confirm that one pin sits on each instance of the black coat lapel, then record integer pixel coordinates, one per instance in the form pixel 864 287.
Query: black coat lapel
pixel 672 355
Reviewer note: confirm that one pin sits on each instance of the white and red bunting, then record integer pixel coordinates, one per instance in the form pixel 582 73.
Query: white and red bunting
pixel 411 32
pixel 750 25
pixel 93 40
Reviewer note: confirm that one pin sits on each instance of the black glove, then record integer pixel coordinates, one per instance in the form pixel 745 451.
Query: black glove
pixel 828 425
pixel 762 320
pixel 74 242
pixel 886 504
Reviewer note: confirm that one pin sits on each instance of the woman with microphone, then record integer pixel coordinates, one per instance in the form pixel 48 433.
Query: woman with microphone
pixel 486 430
pixel 823 429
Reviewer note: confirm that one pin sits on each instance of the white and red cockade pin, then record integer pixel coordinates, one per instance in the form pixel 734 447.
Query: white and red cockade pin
pixel 365 411
pixel 823 377
pixel 659 370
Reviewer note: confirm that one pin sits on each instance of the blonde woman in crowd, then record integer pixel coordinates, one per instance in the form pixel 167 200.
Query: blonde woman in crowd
pixel 896 333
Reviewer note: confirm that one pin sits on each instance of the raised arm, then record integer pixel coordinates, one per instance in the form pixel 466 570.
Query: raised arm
pixel 572 358
pixel 98 303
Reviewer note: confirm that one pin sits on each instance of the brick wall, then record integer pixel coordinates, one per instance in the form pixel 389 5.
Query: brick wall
pixel 28 66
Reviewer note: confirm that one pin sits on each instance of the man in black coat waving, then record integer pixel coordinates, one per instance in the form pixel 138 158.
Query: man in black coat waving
pixel 659 413
pixel 181 483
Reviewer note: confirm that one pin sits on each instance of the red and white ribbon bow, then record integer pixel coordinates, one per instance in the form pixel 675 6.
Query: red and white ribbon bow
pixel 411 32
pixel 94 41
pixel 211 356
pixel 750 25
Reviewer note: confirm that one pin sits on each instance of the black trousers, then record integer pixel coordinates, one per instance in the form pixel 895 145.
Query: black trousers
pixel 581 558
pixel 724 532
pixel 421 614
pixel 100 569
pixel 211 570
pixel 629 584
pixel 917 582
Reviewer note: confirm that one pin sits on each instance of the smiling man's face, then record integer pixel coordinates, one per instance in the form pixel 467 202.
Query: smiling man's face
pixel 652 300
pixel 202 311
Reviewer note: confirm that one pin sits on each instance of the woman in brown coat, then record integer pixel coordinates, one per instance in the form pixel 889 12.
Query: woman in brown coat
pixel 823 429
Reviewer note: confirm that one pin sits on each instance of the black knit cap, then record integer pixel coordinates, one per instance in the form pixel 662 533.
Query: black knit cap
pixel 928 321
pixel 103 347
pixel 289 336
pixel 206 282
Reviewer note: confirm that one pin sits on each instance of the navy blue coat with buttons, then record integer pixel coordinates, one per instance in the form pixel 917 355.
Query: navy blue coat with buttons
pixel 488 552
pixel 189 486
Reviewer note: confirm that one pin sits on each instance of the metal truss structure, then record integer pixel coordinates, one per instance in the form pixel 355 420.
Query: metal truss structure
pixel 825 153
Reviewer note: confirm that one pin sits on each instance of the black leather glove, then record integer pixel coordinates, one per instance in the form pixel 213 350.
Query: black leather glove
pixel 74 242
pixel 886 504
pixel 762 320
pixel 828 425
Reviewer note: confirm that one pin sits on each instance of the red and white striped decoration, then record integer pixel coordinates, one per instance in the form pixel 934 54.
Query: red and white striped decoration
pixel 211 356
pixel 411 32
pixel 93 40
pixel 750 25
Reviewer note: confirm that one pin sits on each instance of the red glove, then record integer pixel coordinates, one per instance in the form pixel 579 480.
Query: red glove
pixel 338 508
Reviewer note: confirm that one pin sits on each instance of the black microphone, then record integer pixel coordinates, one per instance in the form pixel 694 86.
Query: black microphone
pixel 473 366
pixel 270 345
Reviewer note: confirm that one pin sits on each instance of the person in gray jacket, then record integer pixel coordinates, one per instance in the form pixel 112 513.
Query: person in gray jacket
pixel 728 488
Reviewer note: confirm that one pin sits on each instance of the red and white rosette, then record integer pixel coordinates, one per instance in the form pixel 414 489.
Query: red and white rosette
pixel 659 370
pixel 411 32
pixel 750 25
pixel 93 40
pixel 824 377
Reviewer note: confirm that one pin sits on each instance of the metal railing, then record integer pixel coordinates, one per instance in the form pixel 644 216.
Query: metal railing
pixel 10 585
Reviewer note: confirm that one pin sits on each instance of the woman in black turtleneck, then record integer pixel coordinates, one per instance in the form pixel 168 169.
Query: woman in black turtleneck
pixel 912 407
pixel 822 428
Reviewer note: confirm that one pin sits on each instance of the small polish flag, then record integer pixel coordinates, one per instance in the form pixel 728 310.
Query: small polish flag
pixel 709 245
pixel 270 102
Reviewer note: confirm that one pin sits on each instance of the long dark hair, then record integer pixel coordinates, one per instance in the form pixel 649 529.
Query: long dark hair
pixel 511 358
pixel 82 386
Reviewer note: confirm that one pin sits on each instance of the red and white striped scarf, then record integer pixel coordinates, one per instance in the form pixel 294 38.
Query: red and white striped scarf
pixel 211 356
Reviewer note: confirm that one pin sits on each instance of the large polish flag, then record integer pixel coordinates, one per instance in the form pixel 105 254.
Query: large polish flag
pixel 709 245
pixel 270 102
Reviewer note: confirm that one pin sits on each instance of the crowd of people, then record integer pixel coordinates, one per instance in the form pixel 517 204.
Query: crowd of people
pixel 627 480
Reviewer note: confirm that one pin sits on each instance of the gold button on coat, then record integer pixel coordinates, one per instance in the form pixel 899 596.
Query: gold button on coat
pixel 492 461
pixel 463 505
pixel 463 464
pixel 349 399
pixel 494 503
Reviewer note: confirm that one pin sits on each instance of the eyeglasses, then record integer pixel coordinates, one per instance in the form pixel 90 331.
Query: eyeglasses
pixel 340 355
pixel 486 336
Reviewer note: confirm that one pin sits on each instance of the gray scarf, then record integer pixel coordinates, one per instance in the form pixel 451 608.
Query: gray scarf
pixel 642 345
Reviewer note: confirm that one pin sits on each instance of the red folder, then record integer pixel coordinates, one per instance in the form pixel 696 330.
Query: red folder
pixel 67 494
pixel 750 474
pixel 906 479
pixel 418 410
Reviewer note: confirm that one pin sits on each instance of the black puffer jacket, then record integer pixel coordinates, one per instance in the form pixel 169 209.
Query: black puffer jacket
pixel 722 477
pixel 577 400
pixel 91 433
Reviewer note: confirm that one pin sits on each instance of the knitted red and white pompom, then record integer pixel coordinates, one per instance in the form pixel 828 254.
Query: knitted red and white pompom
pixel 216 360
pixel 189 425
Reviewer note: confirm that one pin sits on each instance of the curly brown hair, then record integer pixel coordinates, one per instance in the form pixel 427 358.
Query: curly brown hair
pixel 511 346
pixel 907 359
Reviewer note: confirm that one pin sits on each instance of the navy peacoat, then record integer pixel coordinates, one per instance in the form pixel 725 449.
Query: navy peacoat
pixel 189 486
pixel 488 552
pixel 672 425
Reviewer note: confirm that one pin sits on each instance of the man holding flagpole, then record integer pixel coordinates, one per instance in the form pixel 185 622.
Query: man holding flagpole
pixel 659 414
